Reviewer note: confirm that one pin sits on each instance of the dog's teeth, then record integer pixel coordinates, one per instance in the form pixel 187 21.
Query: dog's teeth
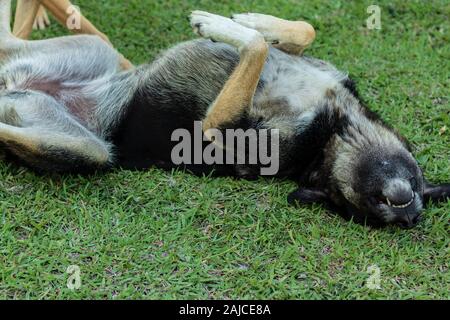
pixel 401 206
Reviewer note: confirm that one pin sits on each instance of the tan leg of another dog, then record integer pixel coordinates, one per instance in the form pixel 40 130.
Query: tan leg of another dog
pixel 291 37
pixel 26 12
pixel 237 93
pixel 63 11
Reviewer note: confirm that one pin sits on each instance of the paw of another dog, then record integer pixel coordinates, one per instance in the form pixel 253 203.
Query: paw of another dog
pixel 218 28
pixel 41 21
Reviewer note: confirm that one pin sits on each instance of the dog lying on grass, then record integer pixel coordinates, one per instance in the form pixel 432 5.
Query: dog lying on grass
pixel 67 105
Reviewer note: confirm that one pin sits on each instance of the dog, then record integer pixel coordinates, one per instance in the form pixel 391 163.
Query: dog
pixel 67 105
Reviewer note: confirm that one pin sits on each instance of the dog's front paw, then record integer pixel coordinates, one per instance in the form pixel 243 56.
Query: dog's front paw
pixel 41 21
pixel 261 22
pixel 218 28
pixel 206 24
pixel 290 36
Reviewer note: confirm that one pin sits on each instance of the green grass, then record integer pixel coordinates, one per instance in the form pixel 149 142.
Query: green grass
pixel 158 234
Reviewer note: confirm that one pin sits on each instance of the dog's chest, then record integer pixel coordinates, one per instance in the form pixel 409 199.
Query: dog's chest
pixel 293 87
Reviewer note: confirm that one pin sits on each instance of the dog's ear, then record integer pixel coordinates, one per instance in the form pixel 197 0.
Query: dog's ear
pixel 436 193
pixel 308 196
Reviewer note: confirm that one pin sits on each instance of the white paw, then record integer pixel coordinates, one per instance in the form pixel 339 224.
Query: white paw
pixel 263 23
pixel 218 28
pixel 254 20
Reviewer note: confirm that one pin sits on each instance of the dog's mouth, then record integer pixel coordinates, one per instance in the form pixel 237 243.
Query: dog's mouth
pixel 401 206
pixel 405 215
pixel 382 200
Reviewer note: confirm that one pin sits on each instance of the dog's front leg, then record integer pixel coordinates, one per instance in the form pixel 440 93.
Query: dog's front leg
pixel 237 94
pixel 291 37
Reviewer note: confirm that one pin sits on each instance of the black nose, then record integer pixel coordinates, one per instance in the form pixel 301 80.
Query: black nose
pixel 408 220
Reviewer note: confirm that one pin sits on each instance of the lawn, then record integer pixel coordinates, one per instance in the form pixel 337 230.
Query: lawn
pixel 158 234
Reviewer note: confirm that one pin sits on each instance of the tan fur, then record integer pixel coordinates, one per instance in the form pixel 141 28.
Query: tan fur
pixel 291 37
pixel 42 20
pixel 35 143
pixel 237 94
pixel 12 135
pixel 26 12
pixel 294 36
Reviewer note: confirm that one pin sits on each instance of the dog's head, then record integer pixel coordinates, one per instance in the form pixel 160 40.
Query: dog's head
pixel 376 186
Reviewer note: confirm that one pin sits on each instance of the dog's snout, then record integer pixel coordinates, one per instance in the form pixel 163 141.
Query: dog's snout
pixel 399 193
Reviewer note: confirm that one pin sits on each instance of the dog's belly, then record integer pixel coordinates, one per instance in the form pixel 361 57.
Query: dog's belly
pixel 69 75
pixel 68 95
pixel 184 82
pixel 300 82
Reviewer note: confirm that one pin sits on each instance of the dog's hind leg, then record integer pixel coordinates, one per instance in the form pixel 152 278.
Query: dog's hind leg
pixel 53 151
pixel 40 134
pixel 291 37
pixel 237 94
